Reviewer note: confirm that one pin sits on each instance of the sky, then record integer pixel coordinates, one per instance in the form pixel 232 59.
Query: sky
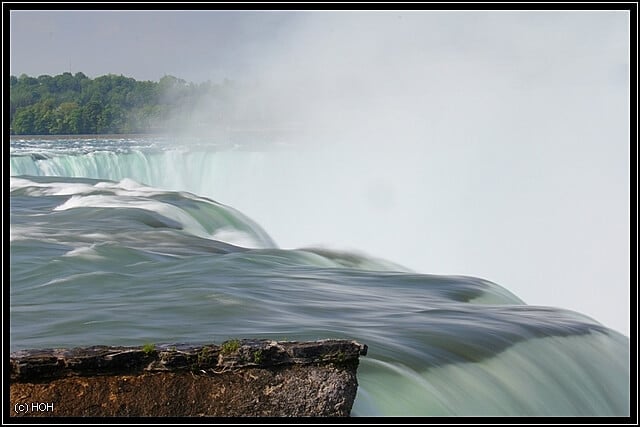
pixel 491 144
pixel 145 45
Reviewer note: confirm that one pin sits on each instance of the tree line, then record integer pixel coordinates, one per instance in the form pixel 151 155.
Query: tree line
pixel 71 104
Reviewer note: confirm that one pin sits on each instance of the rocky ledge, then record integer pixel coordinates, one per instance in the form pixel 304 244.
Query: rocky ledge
pixel 236 378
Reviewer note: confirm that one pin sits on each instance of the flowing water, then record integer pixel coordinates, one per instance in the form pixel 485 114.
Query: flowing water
pixel 120 241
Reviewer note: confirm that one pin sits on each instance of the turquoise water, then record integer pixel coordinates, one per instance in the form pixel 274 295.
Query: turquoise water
pixel 118 241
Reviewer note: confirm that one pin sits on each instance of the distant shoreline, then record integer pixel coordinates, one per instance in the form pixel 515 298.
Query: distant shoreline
pixel 86 136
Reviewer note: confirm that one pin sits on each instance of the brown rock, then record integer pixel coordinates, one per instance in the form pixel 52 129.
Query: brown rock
pixel 238 378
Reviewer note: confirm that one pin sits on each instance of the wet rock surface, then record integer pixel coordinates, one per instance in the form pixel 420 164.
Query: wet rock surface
pixel 237 378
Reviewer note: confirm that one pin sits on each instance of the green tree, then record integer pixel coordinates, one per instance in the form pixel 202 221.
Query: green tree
pixel 23 122
pixel 75 103
pixel 90 117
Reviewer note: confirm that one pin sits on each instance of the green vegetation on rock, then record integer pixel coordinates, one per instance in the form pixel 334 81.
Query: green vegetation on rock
pixel 148 349
pixel 230 346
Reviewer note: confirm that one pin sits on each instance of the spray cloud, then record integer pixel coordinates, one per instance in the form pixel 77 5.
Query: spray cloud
pixel 484 144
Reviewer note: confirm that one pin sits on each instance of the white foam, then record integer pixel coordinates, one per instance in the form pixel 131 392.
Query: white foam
pixel 86 252
pixel 21 232
pixel 50 188
pixel 129 187
pixel 17 183
pixel 70 278
pixel 236 237
pixel 167 210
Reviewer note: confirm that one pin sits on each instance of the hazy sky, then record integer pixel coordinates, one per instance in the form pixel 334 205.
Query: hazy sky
pixel 145 45
pixel 491 144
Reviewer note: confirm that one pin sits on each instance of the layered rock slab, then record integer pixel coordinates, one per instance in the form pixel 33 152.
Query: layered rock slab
pixel 238 378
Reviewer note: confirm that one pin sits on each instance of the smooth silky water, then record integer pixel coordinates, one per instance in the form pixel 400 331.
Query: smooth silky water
pixel 121 242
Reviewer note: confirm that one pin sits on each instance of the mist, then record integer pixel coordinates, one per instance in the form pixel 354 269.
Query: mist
pixel 489 144
pixel 485 144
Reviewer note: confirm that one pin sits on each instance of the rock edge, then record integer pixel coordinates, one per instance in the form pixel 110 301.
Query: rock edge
pixel 236 378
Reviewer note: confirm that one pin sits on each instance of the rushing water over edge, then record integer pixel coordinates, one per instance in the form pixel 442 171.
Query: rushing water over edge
pixel 102 251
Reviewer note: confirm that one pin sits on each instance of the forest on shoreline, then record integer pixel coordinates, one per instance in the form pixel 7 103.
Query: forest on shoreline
pixel 74 104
